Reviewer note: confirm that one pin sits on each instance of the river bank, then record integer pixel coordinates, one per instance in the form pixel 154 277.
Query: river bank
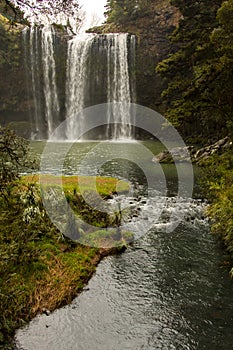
pixel 216 164
pixel 168 290
pixel 42 270
pixel 218 177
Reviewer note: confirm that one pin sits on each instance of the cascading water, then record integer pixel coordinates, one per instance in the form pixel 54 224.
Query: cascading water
pixel 42 73
pixel 50 86
pixel 99 69
pixel 78 51
pixel 87 75
pixel 118 87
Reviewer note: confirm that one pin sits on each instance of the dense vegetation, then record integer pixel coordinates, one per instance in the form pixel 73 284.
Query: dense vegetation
pixel 219 180
pixel 36 257
pixel 198 72
pixel 121 11
pixel 197 97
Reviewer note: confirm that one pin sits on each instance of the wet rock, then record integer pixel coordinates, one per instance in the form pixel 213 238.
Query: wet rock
pixel 178 154
pixel 184 154
pixel 216 148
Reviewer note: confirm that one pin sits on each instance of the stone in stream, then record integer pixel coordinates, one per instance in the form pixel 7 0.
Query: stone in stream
pixel 184 154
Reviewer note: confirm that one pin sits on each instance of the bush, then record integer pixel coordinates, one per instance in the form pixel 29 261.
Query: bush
pixel 14 158
pixel 221 195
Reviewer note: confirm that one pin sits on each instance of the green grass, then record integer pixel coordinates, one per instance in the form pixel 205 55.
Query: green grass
pixel 39 268
pixel 106 186
pixel 107 238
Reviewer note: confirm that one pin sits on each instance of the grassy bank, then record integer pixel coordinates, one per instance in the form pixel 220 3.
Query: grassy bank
pixel 40 269
pixel 219 180
pixel 106 186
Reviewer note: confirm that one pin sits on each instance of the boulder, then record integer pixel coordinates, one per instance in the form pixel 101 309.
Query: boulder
pixel 178 154
pixel 216 148
pixel 184 154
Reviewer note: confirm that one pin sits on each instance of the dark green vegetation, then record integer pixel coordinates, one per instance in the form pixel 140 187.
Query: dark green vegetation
pixel 122 11
pixel 219 179
pixel 13 88
pixel 41 269
pixel 196 78
pixel 198 97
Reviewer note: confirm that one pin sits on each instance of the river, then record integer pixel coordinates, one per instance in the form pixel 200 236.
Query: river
pixel 169 290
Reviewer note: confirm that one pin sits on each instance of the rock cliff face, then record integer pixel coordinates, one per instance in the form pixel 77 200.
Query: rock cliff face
pixel 152 45
pixel 152 33
pixel 13 95
pixel 16 91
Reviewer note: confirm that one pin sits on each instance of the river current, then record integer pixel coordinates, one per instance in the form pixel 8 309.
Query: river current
pixel 169 290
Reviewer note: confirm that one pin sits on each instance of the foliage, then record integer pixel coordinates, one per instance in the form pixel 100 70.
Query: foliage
pixel 14 158
pixel 68 8
pixel 199 73
pixel 216 184
pixel 221 192
pixel 10 12
pixel 121 11
pixel 36 258
pixel 35 261
pixel 82 197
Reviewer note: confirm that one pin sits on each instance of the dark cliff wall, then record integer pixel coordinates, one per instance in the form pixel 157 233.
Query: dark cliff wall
pixel 16 96
pixel 152 31
pixel 13 86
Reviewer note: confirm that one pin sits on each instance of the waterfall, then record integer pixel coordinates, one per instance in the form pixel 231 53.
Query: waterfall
pixel 89 57
pixel 93 69
pixel 49 73
pixel 41 67
pixel 118 87
pixel 76 81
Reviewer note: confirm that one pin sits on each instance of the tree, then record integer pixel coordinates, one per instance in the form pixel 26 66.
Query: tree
pixel 36 8
pixel 214 77
pixel 183 101
pixel 121 11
